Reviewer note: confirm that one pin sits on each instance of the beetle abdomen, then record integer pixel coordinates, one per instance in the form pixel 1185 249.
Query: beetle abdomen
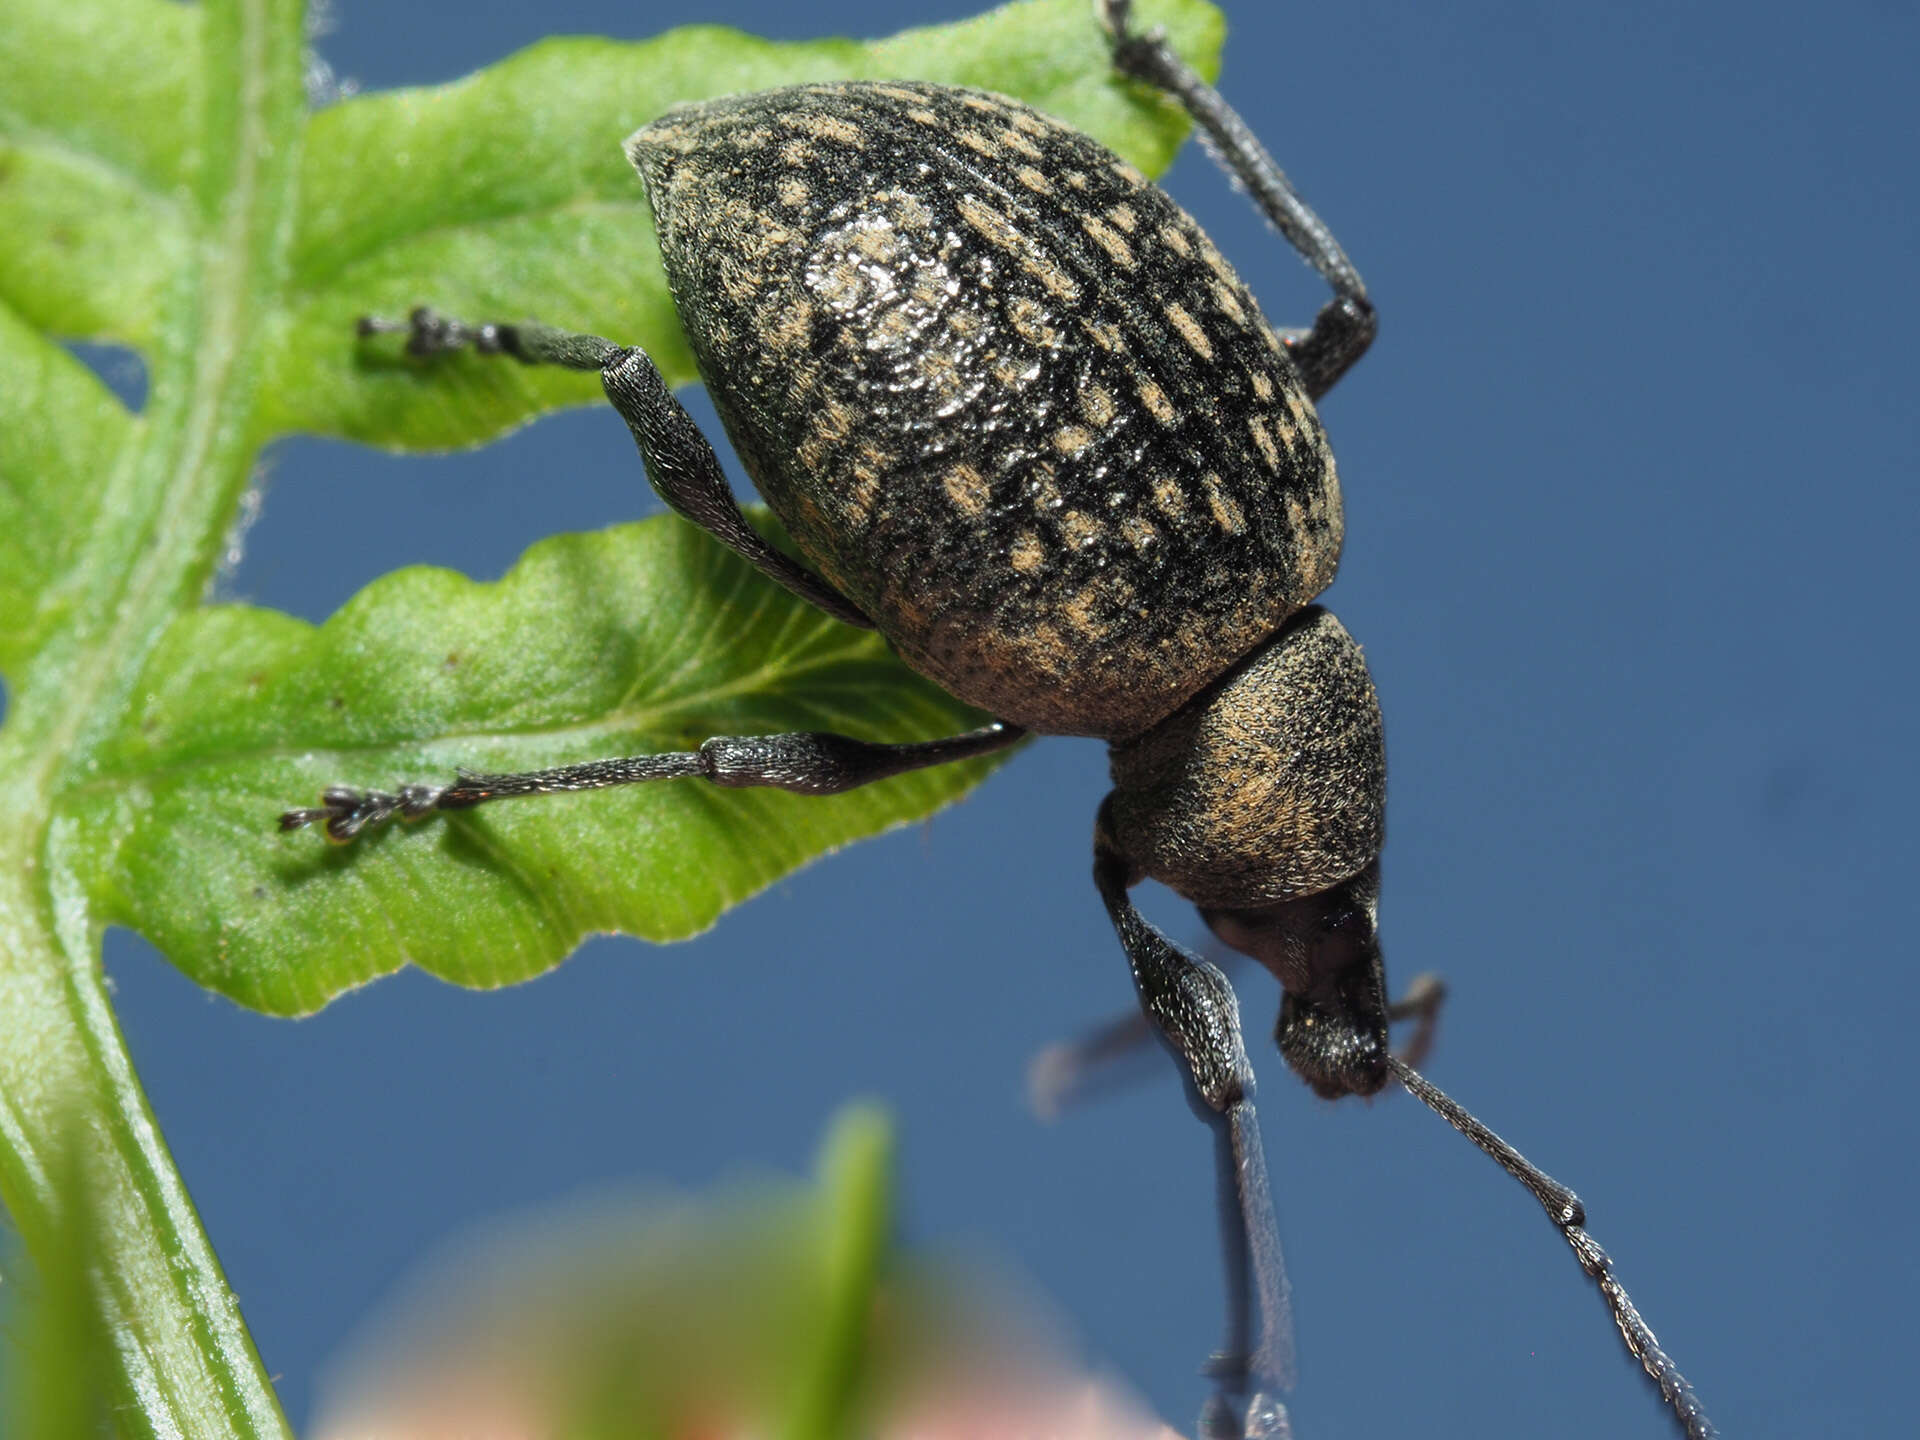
pixel 1003 392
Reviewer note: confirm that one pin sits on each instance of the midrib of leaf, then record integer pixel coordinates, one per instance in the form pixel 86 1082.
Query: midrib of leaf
pixel 185 1365
pixel 770 679
pixel 170 502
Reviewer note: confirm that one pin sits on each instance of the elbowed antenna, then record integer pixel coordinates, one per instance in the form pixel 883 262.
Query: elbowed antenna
pixel 1569 1216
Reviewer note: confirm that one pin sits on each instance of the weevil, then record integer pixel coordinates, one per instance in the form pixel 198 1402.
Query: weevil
pixel 1021 417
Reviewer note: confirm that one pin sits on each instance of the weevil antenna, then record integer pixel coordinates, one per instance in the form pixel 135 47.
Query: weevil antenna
pixel 1569 1216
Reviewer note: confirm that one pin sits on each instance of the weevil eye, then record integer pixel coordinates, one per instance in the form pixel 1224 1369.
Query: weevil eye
pixel 1347 921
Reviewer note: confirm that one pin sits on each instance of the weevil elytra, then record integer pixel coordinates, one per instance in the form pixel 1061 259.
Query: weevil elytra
pixel 1021 417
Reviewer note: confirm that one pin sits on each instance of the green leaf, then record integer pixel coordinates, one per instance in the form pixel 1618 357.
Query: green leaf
pixel 164 185
pixel 65 434
pixel 94 161
pixel 506 194
pixel 498 195
pixel 853 1214
pixel 572 656
pixel 767 1306
pixel 748 1309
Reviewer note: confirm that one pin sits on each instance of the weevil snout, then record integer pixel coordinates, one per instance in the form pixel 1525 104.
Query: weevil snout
pixel 1325 951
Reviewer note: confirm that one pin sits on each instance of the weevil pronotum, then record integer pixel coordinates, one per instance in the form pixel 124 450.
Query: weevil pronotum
pixel 1022 418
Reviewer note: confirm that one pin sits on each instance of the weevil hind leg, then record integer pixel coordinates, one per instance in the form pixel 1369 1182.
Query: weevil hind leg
pixel 805 762
pixel 680 462
pixel 1107 1057
pixel 1425 996
pixel 1345 327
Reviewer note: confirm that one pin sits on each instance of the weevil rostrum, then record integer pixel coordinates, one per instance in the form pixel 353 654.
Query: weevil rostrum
pixel 1020 416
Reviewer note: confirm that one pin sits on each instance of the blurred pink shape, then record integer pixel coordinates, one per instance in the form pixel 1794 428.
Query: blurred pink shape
pixel 692 1319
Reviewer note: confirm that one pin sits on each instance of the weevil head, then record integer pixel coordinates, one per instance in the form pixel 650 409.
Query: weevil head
pixel 1325 951
pixel 1263 801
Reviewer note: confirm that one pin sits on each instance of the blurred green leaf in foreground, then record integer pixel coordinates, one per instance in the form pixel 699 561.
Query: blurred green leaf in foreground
pixel 772 1308
pixel 165 186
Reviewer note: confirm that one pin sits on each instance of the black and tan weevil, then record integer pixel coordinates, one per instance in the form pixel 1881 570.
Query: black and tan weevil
pixel 1021 417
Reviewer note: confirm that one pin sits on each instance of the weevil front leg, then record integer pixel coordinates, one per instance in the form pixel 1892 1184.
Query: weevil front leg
pixel 681 465
pixel 807 762
pixel 1345 327
pixel 1193 1008
pixel 1104 1056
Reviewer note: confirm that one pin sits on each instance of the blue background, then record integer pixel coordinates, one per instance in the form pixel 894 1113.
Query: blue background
pixel 1631 542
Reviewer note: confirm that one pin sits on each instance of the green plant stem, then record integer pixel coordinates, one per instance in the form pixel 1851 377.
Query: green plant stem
pixel 182 1363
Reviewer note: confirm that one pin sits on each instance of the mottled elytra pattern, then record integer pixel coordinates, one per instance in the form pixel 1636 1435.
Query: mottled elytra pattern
pixel 1269 787
pixel 1005 394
